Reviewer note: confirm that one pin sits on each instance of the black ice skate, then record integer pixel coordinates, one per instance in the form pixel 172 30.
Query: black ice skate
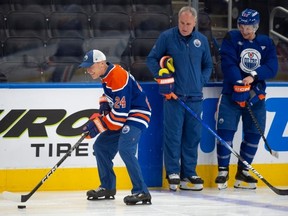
pixel 222 178
pixel 133 199
pixel 194 183
pixel 244 180
pixel 100 193
pixel 174 181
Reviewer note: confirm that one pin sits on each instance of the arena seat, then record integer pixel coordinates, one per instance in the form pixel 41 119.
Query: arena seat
pixel 64 24
pixel 140 71
pixel 43 6
pixel 147 25
pixel 109 24
pixel 2 28
pixel 35 24
pixel 85 6
pixel 140 48
pixel 5 7
pixel 65 49
pixel 124 6
pixel 162 6
pixel 24 49
pixel 63 56
pixel 23 59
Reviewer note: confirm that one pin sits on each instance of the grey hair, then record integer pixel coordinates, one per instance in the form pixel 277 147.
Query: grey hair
pixel 188 9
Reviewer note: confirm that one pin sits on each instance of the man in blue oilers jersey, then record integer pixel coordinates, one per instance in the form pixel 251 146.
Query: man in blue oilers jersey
pixel 181 63
pixel 124 114
pixel 248 59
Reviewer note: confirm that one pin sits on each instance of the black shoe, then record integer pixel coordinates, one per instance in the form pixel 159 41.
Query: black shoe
pixel 100 193
pixel 133 199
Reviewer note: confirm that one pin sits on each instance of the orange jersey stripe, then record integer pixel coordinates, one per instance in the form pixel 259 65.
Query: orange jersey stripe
pixel 114 118
pixel 110 125
pixel 141 116
pixel 116 79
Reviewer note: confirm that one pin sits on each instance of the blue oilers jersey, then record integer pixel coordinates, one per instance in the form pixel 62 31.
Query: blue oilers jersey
pixel 239 57
pixel 129 104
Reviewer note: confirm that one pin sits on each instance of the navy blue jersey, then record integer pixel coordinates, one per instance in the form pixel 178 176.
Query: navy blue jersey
pixel 191 59
pixel 129 103
pixel 239 57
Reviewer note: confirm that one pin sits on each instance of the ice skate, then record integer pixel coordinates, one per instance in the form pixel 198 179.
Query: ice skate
pixel 174 181
pixel 133 199
pixel 194 183
pixel 222 178
pixel 100 193
pixel 244 180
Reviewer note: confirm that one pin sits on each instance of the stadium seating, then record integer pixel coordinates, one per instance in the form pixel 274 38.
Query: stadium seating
pixel 69 28
pixel 64 24
pixel 2 28
pixel 5 7
pixel 27 24
pixel 23 59
pixel 63 55
pixel 65 49
pixel 149 25
pixel 141 72
pixel 84 6
pixel 140 48
pixel 162 6
pixel 109 24
pixel 43 6
pixel 124 6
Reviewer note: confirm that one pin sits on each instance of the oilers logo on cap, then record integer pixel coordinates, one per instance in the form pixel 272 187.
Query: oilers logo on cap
pixel 91 57
pixel 250 60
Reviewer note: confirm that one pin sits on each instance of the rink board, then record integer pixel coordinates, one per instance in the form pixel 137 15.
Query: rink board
pixel 39 123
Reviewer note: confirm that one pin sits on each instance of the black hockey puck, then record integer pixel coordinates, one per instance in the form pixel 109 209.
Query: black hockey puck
pixel 21 206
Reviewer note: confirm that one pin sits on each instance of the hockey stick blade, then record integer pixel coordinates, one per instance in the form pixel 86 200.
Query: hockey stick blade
pixel 223 142
pixel 11 196
pixel 273 153
pixel 23 198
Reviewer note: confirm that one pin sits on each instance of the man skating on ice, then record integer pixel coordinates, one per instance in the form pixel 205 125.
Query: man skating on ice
pixel 125 113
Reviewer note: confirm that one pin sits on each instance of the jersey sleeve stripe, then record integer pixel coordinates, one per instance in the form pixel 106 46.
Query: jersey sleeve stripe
pixel 112 125
pixel 139 115
pixel 138 120
pixel 140 111
pixel 117 119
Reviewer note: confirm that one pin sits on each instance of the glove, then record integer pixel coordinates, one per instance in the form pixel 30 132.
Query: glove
pixel 94 126
pixel 166 86
pixel 256 94
pixel 241 93
pixel 165 79
pixel 104 107
pixel 166 64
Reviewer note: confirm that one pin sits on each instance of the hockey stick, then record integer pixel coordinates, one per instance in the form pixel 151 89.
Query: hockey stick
pixel 24 198
pixel 273 153
pixel 276 190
